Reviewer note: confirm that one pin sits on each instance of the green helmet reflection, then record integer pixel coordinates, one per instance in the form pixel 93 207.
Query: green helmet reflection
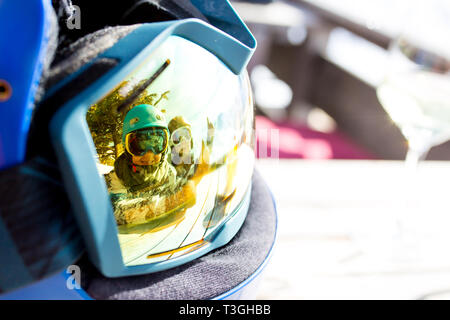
pixel 141 117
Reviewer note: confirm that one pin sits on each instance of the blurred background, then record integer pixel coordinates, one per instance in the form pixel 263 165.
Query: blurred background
pixel 316 70
pixel 332 156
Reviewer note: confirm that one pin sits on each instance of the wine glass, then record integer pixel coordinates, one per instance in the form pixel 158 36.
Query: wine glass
pixel 416 95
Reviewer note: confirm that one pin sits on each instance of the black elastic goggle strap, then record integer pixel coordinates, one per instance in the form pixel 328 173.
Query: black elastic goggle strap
pixel 38 234
pixel 96 15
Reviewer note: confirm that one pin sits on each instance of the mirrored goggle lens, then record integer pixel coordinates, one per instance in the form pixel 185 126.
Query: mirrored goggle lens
pixel 145 140
pixel 171 204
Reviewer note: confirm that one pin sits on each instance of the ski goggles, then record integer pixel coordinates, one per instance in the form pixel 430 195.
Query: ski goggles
pixel 74 194
pixel 180 134
pixel 140 142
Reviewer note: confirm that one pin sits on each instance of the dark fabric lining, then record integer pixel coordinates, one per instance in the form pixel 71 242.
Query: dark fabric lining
pixel 100 14
pixel 77 54
pixel 206 277
pixel 102 24
pixel 37 213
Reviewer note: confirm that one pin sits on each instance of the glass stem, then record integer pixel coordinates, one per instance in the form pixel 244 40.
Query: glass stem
pixel 413 158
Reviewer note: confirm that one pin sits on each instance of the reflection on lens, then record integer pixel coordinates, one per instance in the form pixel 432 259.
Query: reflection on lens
pixel 179 153
pixel 140 142
pixel 182 133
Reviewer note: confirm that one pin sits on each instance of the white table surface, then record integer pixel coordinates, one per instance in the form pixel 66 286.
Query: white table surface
pixel 333 216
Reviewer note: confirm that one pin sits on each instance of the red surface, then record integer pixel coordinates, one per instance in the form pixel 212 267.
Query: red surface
pixel 294 142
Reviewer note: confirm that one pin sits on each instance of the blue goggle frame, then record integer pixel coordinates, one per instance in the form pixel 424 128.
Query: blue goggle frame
pixel 74 146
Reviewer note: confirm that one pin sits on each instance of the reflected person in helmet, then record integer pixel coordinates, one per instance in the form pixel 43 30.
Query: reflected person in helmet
pixel 145 138
pixel 148 168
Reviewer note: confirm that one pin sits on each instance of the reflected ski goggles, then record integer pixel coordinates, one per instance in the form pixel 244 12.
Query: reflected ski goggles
pixel 131 218
pixel 183 133
pixel 140 142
